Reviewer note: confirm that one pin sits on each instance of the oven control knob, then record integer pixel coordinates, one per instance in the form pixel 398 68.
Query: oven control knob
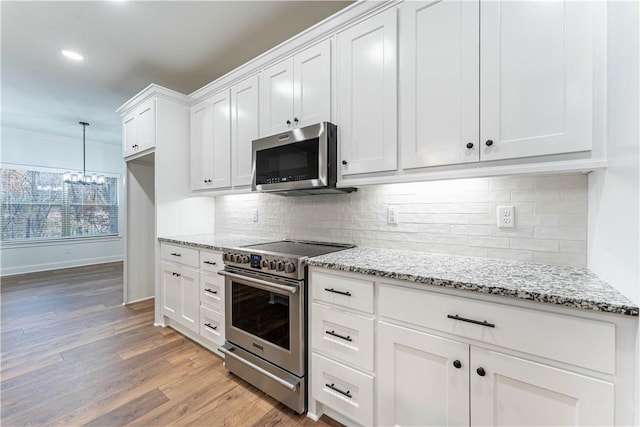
pixel 226 256
pixel 289 267
pixel 235 257
pixel 244 259
pixel 264 263
pixel 272 264
pixel 280 265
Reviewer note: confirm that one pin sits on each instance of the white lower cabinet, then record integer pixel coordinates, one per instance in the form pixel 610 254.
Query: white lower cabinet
pixel 192 293
pixel 414 357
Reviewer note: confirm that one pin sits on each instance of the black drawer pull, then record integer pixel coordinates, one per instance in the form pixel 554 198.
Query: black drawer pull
pixel 333 333
pixel 475 322
pixel 175 254
pixel 210 326
pixel 333 387
pixel 346 293
pixel 211 291
pixel 209 262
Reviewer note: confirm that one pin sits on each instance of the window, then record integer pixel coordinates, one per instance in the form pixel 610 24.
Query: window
pixel 39 205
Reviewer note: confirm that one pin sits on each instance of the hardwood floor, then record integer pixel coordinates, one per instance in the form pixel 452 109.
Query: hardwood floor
pixel 72 355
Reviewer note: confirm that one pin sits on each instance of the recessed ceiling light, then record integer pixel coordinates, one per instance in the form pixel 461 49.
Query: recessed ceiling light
pixel 72 55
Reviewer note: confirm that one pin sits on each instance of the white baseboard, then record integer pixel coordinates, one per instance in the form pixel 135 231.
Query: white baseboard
pixel 22 269
pixel 138 300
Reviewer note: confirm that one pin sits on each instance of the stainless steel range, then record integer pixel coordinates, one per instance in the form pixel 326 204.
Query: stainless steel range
pixel 266 316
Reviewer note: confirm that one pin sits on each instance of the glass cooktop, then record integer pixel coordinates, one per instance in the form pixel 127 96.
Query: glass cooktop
pixel 297 248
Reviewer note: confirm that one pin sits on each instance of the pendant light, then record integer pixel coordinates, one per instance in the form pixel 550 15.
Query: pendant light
pixel 83 178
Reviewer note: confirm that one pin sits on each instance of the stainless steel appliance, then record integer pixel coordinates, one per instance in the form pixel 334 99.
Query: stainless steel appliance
pixel 298 162
pixel 266 316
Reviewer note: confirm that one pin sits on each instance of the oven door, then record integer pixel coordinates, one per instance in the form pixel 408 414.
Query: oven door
pixel 264 316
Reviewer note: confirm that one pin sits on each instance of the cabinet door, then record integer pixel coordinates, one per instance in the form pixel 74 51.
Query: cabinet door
pixel 537 65
pixel 201 146
pixel 129 134
pixel 146 126
pixel 221 135
pixel 367 94
pixel 170 285
pixel 516 392
pixel 277 95
pixel 439 82
pixel 245 120
pixel 190 298
pixel 312 85
pixel 418 381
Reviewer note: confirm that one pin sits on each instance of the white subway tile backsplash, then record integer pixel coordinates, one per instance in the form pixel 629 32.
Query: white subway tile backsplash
pixel 455 217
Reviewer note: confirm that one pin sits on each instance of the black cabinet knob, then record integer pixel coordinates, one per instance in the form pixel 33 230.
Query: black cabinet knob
pixel 344 162
pixel 489 142
pixel 457 364
pixel 481 371
pixel 469 145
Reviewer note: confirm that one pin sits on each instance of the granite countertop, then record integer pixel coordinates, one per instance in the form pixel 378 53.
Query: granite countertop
pixel 216 242
pixel 554 284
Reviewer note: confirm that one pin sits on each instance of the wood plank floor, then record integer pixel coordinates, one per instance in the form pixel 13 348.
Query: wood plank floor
pixel 72 354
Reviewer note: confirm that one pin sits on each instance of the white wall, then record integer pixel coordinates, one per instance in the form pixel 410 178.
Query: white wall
pixel 20 147
pixel 456 217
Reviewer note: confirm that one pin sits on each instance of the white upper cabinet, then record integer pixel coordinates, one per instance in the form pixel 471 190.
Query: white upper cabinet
pixel 297 91
pixel 367 94
pixel 201 146
pixel 537 77
pixel 245 127
pixel 139 129
pixel 439 87
pixel 505 80
pixel 211 142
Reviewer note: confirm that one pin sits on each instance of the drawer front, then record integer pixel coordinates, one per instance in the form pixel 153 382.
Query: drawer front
pixel 212 325
pixel 343 389
pixel 346 336
pixel 211 261
pixel 181 254
pixel 555 336
pixel 212 291
pixel 343 291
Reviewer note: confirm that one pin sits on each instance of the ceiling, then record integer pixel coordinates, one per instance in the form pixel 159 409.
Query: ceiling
pixel 182 45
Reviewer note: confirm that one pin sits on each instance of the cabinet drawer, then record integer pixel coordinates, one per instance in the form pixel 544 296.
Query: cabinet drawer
pixel 212 291
pixel 555 336
pixel 180 254
pixel 344 291
pixel 345 336
pixel 211 261
pixel 343 389
pixel 212 325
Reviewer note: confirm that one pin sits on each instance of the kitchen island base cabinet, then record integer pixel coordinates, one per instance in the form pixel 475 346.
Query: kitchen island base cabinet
pixel 180 294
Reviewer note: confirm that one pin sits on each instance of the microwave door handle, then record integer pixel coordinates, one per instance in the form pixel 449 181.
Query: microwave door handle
pixel 290 289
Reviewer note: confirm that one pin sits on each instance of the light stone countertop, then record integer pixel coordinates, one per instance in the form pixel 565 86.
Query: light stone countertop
pixel 215 242
pixel 554 284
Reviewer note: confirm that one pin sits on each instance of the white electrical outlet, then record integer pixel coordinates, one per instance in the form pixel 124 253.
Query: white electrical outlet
pixel 254 215
pixel 392 215
pixel 506 217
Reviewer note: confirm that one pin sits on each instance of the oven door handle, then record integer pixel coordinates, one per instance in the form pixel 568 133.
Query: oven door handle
pixel 264 372
pixel 290 289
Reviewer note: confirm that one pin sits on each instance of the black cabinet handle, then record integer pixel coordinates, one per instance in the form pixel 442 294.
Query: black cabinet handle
pixel 211 291
pixel 481 371
pixel 457 364
pixel 176 274
pixel 333 387
pixel 469 145
pixel 489 142
pixel 475 322
pixel 295 120
pixel 342 337
pixel 344 162
pixel 206 181
pixel 210 326
pixel 209 262
pixel 346 293
pixel 288 122
pixel 175 254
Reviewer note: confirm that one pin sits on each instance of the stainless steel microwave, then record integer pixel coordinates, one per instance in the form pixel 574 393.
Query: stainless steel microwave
pixel 298 162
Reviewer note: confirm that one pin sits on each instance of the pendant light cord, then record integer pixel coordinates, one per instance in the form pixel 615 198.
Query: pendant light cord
pixel 84 157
